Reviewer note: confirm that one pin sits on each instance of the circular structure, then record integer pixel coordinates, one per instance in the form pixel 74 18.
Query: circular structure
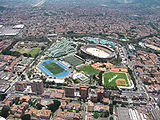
pixel 98 51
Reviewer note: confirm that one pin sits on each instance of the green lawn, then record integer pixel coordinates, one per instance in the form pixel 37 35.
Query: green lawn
pixel 54 68
pixel 22 50
pixel 111 77
pixel 89 70
pixel 34 52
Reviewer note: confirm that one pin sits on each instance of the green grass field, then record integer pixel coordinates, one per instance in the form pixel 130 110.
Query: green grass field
pixel 72 60
pixel 111 77
pixel 33 51
pixel 54 68
pixel 22 50
pixel 89 70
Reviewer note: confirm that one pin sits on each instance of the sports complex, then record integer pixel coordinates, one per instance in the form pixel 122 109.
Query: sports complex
pixel 54 69
pixel 98 51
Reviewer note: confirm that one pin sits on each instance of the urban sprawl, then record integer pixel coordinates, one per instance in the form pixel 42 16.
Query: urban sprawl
pixel 79 60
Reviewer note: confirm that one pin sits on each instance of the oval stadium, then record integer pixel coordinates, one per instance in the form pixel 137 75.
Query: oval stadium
pixel 98 51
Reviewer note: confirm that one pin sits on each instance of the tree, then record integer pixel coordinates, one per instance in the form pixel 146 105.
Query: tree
pixel 123 105
pixel 5 112
pixel 26 117
pixel 54 106
pixel 38 106
pixel 106 114
pixel 111 109
pixel 43 47
pixel 111 118
pixel 96 115
pixel 25 54
pixel 17 100
pixel 2 96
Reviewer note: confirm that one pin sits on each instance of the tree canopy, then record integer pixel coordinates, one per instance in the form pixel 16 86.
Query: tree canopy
pixel 26 117
pixel 54 106
pixel 5 112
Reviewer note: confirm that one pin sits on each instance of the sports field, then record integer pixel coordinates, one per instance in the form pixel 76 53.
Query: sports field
pixel 89 70
pixel 73 60
pixel 115 79
pixel 54 68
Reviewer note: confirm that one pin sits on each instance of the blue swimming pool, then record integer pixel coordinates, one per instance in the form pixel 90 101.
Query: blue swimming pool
pixel 48 73
pixel 111 43
pixel 91 40
pixel 11 49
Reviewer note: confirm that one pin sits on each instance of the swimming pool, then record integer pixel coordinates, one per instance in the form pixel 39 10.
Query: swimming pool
pixel 48 73
pixel 11 49
pixel 111 43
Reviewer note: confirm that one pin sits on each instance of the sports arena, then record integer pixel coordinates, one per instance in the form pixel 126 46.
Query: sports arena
pixel 98 51
pixel 54 69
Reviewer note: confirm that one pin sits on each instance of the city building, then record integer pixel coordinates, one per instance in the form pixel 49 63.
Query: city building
pixel 40 114
pixel 84 91
pixel 69 91
pixel 18 110
pixel 37 86
pixel 24 99
pixel 100 92
pixel 20 86
pixel 90 106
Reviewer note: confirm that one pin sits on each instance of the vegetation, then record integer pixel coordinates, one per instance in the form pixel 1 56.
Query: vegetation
pixel 100 78
pixel 17 100
pixel 132 77
pixel 111 118
pixel 5 112
pixel 13 53
pixel 54 68
pixel 111 109
pixel 26 117
pixel 38 106
pixel 89 70
pixel 76 81
pixel 2 96
pixel 29 52
pixel 96 115
pixel 34 52
pixel 105 114
pixel 54 106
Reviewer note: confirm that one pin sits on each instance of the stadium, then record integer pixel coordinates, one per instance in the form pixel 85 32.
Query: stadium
pixel 98 51
pixel 54 69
